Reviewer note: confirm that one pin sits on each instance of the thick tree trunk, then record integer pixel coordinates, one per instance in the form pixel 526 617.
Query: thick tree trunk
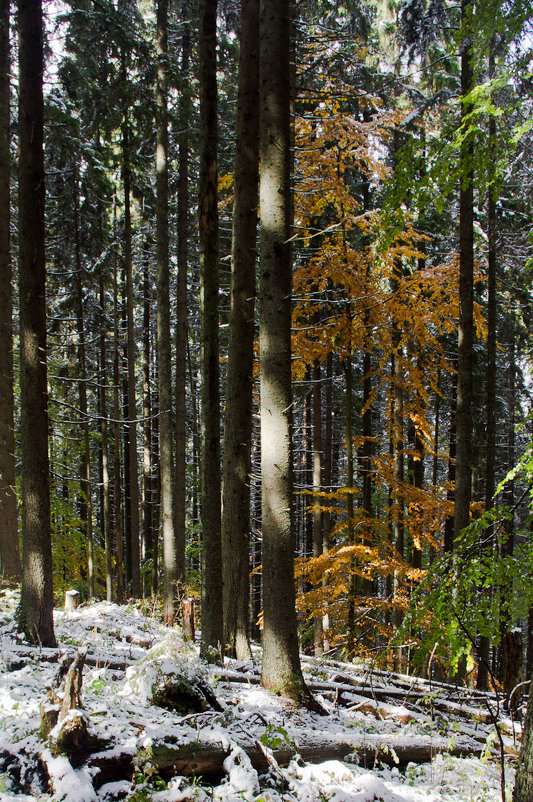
pixel 9 546
pixel 281 670
pixel 36 602
pixel 238 424
pixel 212 628
pixel 171 577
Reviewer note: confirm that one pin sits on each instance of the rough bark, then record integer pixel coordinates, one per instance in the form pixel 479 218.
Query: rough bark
pixel 238 423
pixel 281 670
pixel 104 435
pixel 117 478
pixel 9 547
pixel 181 292
pixel 463 470
pixel 212 627
pixel 523 788
pixel 171 576
pixel 36 603
pixel 133 530
pixel 148 536
pixel 85 501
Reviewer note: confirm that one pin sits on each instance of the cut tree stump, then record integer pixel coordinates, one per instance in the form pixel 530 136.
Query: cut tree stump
pixel 72 600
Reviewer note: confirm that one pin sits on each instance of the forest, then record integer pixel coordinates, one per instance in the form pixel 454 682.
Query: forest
pixel 265 313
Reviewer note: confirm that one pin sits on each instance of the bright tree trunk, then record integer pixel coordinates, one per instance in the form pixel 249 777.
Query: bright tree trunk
pixel 9 547
pixel 238 424
pixel 180 472
pixel 36 602
pixel 212 626
pixel 281 670
pixel 171 577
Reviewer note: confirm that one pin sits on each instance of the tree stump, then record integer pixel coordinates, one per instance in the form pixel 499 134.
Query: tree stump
pixel 72 600
pixel 188 618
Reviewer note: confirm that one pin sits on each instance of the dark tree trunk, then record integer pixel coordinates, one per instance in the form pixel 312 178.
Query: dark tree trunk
pixel 106 485
pixel 36 602
pixel 238 424
pixel 463 470
pixel 117 479
pixel 181 292
pixel 212 627
pixel 9 545
pixel 281 670
pixel 133 530
pixel 490 466
pixel 318 515
pixel 148 546
pixel 85 503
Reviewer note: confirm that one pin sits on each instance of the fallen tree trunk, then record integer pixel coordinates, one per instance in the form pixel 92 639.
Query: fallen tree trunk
pixel 205 758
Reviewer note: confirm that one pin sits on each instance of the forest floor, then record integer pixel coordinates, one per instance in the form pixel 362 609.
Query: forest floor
pixel 385 736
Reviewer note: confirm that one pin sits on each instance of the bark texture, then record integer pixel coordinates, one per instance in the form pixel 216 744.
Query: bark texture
pixel 463 470
pixel 171 576
pixel 9 549
pixel 36 603
pixel 281 670
pixel 238 425
pixel 212 628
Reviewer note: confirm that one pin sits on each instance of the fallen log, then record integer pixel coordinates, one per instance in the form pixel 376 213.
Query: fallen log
pixel 203 758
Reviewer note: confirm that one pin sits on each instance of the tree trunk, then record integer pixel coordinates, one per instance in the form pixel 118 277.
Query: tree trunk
pixel 85 503
pixel 318 515
pixel 117 479
pixel 9 544
pixel 148 546
pixel 36 602
pixel 171 577
pixel 180 430
pixel 238 424
pixel 106 485
pixel 212 629
pixel 281 670
pixel 133 531
pixel 463 470
pixel 490 464
pixel 523 788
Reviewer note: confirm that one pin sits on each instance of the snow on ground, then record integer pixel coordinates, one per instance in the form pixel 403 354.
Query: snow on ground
pixel 126 650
